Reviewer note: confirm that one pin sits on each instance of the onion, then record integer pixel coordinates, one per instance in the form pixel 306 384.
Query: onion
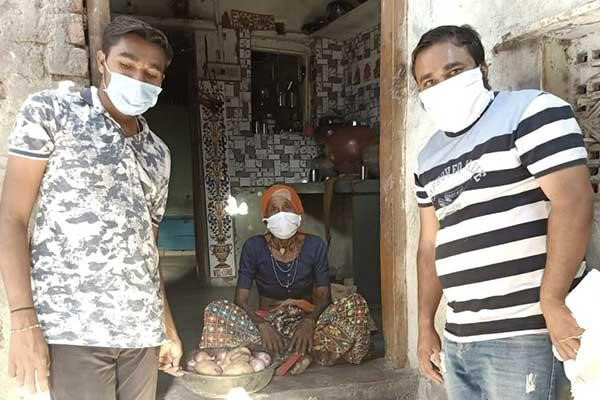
pixel 257 364
pixel 190 365
pixel 264 357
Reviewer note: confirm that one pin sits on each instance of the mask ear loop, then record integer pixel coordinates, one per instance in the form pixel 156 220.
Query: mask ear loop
pixel 104 75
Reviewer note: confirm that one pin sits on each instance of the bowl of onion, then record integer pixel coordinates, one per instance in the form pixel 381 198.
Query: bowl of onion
pixel 213 373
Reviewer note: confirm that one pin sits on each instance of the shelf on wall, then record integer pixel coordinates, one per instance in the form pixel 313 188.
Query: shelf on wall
pixel 357 20
pixel 342 186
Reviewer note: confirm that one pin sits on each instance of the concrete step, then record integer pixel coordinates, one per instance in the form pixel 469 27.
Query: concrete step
pixel 372 380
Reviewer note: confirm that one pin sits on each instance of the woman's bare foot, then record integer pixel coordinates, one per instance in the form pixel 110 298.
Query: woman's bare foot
pixel 301 365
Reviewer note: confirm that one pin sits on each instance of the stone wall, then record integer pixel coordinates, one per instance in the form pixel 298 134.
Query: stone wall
pixel 43 43
pixel 582 86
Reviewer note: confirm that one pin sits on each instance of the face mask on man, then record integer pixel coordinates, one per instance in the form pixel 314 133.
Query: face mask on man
pixel 456 103
pixel 283 225
pixel 130 96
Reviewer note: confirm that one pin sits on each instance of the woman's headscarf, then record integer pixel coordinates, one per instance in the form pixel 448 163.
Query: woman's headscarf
pixel 282 191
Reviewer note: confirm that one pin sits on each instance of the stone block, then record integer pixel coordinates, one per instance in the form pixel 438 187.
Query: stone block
pixel 76 6
pixel 75 34
pixel 32 25
pixel 65 60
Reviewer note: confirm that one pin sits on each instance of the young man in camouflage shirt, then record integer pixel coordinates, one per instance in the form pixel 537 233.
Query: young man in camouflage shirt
pixel 89 316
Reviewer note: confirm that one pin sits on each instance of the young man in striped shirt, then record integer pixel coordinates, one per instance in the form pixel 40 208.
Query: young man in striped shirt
pixel 506 209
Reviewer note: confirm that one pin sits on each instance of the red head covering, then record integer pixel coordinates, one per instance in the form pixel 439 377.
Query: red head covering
pixel 283 191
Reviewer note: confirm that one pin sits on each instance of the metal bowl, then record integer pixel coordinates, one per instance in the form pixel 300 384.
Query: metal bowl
pixel 218 387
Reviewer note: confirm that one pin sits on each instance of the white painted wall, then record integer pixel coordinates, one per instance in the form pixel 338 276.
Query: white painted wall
pixel 508 70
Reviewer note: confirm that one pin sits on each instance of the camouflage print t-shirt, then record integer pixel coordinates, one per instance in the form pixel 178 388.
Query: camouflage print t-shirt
pixel 94 258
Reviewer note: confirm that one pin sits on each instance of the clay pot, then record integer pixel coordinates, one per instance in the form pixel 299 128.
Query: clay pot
pixel 324 166
pixel 344 147
pixel 370 159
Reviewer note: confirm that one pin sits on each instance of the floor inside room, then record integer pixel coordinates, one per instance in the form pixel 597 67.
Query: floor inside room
pixel 374 379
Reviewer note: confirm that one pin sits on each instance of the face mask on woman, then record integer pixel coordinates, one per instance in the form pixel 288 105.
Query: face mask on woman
pixel 283 225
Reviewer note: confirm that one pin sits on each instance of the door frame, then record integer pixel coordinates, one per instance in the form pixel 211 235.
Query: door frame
pixel 393 95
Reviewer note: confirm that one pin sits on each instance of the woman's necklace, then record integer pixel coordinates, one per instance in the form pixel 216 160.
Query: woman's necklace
pixel 290 279
pixel 282 269
pixel 282 248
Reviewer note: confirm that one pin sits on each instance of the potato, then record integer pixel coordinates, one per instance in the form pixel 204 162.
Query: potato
pixel 208 368
pixel 239 354
pixel 243 350
pixel 237 368
pixel 202 356
pixel 240 357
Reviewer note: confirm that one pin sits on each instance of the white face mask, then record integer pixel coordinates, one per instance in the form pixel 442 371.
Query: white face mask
pixel 130 96
pixel 283 225
pixel 456 103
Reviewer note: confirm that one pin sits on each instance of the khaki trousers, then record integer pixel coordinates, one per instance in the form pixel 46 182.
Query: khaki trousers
pixel 103 373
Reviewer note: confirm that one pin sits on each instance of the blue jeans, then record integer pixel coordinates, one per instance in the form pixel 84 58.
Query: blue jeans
pixel 516 368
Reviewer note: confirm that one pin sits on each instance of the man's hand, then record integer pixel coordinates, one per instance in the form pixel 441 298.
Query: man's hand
pixel 29 358
pixel 170 357
pixel 270 338
pixel 563 329
pixel 429 347
pixel 302 341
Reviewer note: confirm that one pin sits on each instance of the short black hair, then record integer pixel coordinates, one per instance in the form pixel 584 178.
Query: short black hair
pixel 461 36
pixel 123 25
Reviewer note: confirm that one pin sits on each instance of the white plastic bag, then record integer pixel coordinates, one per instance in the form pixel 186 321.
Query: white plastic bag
pixel 584 371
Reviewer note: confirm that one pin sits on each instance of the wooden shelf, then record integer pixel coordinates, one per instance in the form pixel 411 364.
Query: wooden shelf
pixel 342 186
pixel 359 19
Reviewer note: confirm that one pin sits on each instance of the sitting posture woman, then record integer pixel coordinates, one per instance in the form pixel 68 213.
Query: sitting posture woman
pixel 295 313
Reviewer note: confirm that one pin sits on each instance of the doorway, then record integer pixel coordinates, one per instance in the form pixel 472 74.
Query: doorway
pixel 174 120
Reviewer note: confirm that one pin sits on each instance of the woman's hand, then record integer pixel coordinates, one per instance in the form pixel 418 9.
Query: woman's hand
pixel 302 341
pixel 270 337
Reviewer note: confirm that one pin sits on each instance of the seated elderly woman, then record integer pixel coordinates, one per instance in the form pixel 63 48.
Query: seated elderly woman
pixel 295 312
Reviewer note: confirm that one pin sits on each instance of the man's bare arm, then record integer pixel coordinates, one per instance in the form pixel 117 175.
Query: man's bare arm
pixel 169 322
pixel 21 186
pixel 569 231
pixel 28 349
pixel 429 286
pixel 429 295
